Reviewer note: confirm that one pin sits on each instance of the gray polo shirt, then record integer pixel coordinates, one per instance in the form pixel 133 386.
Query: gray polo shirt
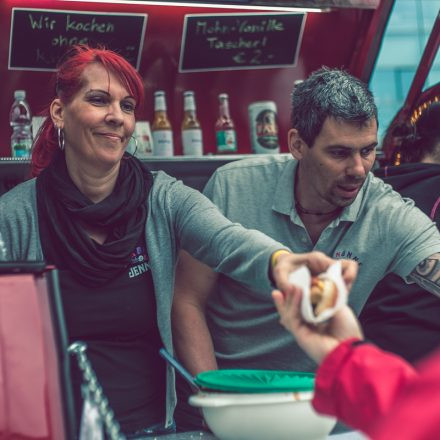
pixel 380 230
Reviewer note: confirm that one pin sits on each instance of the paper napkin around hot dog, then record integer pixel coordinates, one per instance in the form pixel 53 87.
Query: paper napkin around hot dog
pixel 302 278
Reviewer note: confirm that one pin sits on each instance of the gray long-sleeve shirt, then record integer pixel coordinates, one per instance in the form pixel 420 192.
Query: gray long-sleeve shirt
pixel 178 217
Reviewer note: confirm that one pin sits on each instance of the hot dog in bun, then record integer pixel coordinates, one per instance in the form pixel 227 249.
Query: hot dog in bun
pixel 323 294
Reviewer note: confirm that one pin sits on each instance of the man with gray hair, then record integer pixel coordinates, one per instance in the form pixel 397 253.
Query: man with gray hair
pixel 325 199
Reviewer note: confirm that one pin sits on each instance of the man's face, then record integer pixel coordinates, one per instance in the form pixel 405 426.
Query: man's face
pixel 334 169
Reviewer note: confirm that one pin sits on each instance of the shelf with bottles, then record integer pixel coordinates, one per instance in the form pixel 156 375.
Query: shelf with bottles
pixel 262 120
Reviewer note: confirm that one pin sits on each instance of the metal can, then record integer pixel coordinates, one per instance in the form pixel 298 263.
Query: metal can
pixel 264 127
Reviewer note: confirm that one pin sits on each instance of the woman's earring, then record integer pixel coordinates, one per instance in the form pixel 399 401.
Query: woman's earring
pixel 135 145
pixel 60 138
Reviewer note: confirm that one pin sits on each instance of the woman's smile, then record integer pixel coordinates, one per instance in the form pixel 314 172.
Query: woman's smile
pixel 111 136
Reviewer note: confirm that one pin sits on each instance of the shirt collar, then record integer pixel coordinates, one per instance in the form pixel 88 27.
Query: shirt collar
pixel 284 191
pixel 284 199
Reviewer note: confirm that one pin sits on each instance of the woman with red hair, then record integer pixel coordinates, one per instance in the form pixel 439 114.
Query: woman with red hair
pixel 113 229
pixel 69 80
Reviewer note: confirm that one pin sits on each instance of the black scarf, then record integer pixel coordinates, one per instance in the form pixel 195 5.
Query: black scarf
pixel 63 209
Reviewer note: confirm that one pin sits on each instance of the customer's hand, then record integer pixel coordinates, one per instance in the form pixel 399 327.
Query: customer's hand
pixel 316 340
pixel 317 262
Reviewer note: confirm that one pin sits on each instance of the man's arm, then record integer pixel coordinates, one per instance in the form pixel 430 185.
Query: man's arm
pixel 427 274
pixel 192 339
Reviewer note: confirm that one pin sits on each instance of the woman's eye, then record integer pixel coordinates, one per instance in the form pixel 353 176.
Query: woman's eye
pixel 98 100
pixel 128 107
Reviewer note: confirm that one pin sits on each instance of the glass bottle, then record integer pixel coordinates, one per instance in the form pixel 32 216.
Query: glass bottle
pixel 192 142
pixel 224 128
pixel 20 119
pixel 161 128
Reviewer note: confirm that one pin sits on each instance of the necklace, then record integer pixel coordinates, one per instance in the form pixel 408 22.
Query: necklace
pixel 302 210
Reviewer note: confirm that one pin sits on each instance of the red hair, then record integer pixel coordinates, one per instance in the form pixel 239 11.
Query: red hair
pixel 68 82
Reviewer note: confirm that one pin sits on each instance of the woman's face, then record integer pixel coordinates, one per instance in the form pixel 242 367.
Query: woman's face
pixel 98 122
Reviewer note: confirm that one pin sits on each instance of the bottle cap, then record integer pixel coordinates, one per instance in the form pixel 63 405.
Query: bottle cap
pixel 159 101
pixel 188 101
pixel 223 96
pixel 20 94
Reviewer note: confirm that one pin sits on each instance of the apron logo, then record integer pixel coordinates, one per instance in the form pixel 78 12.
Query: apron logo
pixel 139 262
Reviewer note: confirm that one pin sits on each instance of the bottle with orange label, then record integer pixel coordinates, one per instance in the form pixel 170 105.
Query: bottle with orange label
pixel 161 128
pixel 224 128
pixel 192 142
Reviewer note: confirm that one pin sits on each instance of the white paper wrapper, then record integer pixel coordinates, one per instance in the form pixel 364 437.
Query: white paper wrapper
pixel 302 278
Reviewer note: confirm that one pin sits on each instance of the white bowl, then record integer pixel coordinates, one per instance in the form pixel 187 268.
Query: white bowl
pixel 262 416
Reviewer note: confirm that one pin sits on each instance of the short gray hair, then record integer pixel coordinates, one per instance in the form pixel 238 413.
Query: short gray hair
pixel 330 93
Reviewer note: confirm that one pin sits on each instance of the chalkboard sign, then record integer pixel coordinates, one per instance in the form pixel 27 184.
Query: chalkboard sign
pixel 39 37
pixel 240 41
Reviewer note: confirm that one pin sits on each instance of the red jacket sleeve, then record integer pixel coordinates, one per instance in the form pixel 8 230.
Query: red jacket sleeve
pixel 416 414
pixel 359 384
